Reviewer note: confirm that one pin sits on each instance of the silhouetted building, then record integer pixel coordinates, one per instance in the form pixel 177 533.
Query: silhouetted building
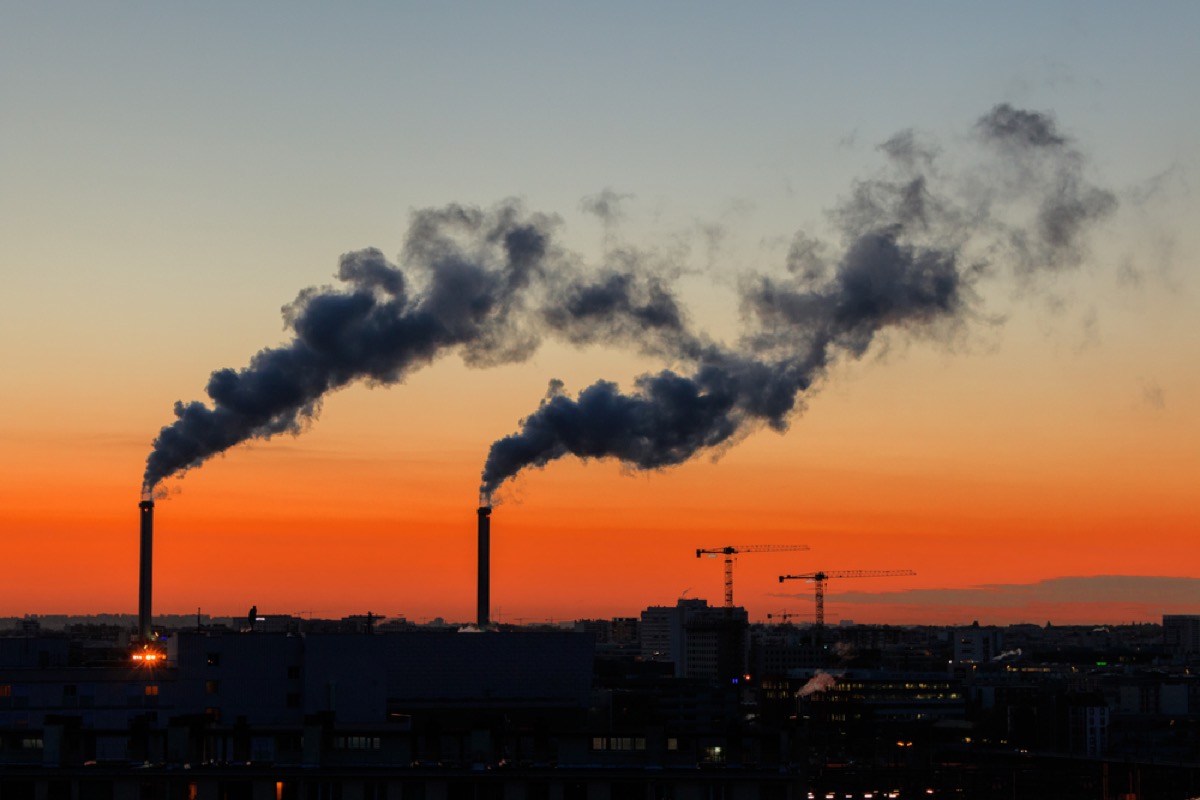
pixel 976 645
pixel 1181 634
pixel 421 714
pixel 702 641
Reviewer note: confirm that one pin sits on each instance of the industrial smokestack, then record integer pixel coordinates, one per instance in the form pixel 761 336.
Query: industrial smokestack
pixel 483 585
pixel 145 569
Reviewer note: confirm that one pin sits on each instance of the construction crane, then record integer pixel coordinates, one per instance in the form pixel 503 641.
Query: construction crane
pixel 783 615
pixel 729 551
pixel 819 578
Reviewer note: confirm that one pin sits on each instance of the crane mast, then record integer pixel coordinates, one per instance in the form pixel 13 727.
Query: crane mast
pixel 819 579
pixel 729 551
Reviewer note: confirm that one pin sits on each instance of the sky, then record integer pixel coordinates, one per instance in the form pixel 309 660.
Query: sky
pixel 177 185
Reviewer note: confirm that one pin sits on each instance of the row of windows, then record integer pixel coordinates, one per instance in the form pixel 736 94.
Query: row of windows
pixel 29 742
pixel 356 743
pixel 71 695
pixel 618 743
pixel 880 686
pixel 72 689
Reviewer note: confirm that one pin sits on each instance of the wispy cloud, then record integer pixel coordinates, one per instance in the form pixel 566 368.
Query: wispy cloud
pixel 1084 597
pixel 1153 395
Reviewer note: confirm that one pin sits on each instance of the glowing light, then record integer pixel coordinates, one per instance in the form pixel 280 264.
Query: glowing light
pixel 148 657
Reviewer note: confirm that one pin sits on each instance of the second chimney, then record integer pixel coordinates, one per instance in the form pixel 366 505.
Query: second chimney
pixel 145 568
pixel 483 585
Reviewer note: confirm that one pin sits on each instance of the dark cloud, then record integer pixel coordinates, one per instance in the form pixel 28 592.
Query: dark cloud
pixel 606 205
pixel 490 284
pixel 913 247
pixel 487 284
pixel 1044 169
pixel 1019 128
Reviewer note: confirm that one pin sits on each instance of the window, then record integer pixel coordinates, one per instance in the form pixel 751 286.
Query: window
pixel 356 743
pixel 618 743
pixel 151 691
pixel 214 659
pixel 212 687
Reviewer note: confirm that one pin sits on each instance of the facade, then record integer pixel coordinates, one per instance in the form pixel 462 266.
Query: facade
pixel 978 645
pixel 1181 634
pixel 549 715
pixel 700 640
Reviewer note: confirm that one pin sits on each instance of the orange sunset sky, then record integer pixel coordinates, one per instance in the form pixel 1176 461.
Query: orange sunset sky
pixel 172 177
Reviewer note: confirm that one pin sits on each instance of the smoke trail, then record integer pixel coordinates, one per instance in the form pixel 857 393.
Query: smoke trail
pixel 1043 165
pixel 485 284
pixel 489 285
pixel 916 243
pixel 819 682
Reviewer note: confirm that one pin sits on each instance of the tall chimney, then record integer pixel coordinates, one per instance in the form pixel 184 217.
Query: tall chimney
pixel 484 584
pixel 145 569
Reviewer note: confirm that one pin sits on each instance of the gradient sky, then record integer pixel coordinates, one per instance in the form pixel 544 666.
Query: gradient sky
pixel 171 176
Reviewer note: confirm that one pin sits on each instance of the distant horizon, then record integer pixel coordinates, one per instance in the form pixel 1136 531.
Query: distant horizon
pixel 876 610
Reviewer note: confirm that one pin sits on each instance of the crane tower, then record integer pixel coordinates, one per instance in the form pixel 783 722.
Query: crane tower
pixel 819 579
pixel 729 551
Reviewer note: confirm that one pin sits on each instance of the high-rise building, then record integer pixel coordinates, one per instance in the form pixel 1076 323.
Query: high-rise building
pixel 700 640
pixel 976 645
pixel 1181 634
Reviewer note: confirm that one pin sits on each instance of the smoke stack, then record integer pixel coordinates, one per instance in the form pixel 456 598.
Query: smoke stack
pixel 145 569
pixel 484 583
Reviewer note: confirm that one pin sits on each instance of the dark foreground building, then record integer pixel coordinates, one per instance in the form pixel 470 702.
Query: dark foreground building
pixel 549 715
pixel 416 715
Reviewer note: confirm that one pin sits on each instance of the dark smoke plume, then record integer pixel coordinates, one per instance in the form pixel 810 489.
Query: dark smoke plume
pixel 915 243
pixel 489 285
pixel 485 284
